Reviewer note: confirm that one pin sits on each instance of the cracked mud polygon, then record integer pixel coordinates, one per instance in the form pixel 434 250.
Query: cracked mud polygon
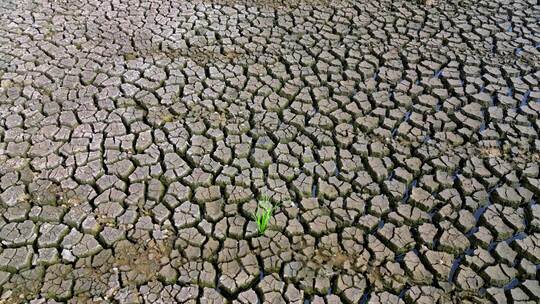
pixel 399 140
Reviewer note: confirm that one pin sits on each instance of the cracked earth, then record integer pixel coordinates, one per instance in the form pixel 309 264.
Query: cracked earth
pixel 399 140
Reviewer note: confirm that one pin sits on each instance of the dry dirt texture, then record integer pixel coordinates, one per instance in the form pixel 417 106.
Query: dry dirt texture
pixel 400 139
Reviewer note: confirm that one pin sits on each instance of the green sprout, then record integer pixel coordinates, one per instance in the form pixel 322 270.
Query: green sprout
pixel 264 212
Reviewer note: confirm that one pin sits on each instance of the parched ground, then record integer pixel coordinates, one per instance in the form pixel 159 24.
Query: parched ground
pixel 401 142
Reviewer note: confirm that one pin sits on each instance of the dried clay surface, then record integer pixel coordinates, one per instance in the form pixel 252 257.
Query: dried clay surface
pixel 399 141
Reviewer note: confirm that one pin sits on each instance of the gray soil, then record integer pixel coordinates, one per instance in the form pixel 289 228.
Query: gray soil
pixel 400 141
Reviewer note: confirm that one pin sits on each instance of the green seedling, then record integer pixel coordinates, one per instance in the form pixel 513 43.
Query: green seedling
pixel 265 210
